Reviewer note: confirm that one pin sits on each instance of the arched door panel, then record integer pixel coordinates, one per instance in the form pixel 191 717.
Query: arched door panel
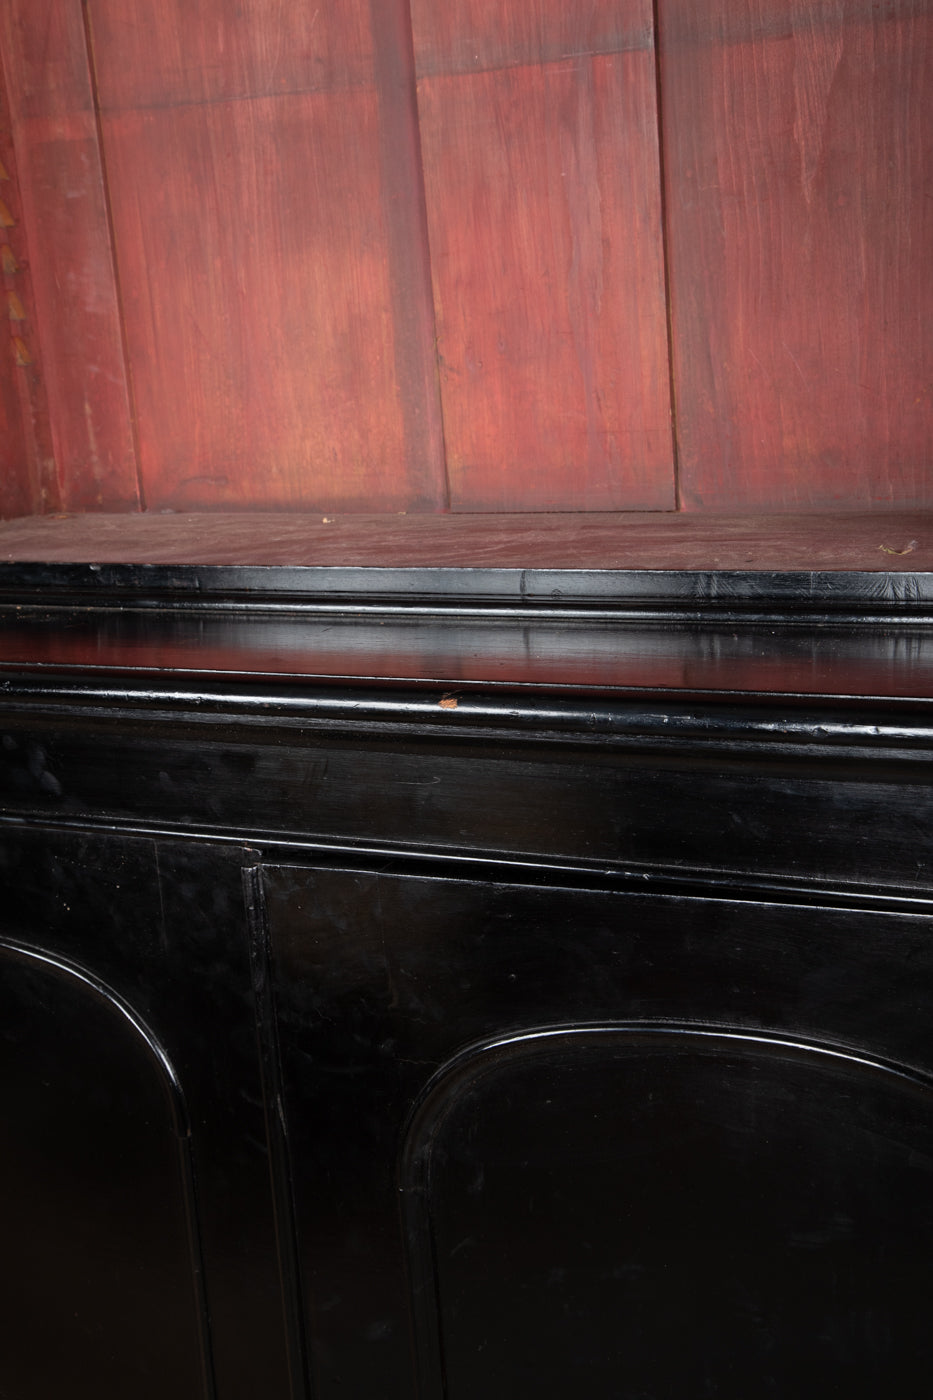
pixel 100 1253
pixel 634 1212
pixel 724 1192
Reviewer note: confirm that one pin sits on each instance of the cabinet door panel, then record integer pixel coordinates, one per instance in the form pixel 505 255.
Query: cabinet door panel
pixel 525 1070
pixel 666 1212
pixel 103 1126
pixel 97 1196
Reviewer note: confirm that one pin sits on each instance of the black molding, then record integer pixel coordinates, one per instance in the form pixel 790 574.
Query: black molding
pixel 640 592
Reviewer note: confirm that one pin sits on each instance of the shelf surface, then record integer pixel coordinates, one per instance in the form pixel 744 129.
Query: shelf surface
pixel 869 543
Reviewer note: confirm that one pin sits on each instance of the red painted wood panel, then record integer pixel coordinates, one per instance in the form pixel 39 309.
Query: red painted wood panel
pixel 23 411
pixel 799 151
pixel 16 487
pixel 77 332
pixel 269 226
pixel 544 216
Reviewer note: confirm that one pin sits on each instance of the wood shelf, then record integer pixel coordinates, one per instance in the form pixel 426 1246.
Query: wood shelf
pixel 865 543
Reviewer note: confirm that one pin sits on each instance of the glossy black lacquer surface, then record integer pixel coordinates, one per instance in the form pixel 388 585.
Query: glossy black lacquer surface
pixel 96 1191
pixel 465 995
pixel 137 1227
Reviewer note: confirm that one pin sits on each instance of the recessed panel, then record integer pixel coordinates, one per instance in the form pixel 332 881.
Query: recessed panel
pixel 99 1280
pixel 552 1210
pixel 634 1215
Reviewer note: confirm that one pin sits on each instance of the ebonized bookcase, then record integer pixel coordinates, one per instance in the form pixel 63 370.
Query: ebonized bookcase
pixel 466 979
pixel 482 950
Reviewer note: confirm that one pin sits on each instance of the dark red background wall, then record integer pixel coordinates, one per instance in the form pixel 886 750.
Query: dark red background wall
pixel 485 255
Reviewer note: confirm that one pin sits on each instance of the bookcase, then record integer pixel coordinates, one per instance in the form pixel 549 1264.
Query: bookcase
pixel 466 587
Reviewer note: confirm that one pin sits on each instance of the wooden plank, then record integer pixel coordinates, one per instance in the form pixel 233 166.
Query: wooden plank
pixel 544 218
pixel 26 459
pixel 409 264
pixel 16 495
pixel 798 149
pixel 252 246
pixel 77 317
pixel 543 199
pixel 273 255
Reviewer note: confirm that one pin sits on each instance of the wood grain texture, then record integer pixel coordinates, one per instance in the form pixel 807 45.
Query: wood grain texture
pixel 161 54
pixel 252 240
pixel 877 543
pixel 27 463
pixel 77 317
pixel 464 36
pixel 272 248
pixel 544 217
pixel 16 494
pixel 799 150
pixel 409 262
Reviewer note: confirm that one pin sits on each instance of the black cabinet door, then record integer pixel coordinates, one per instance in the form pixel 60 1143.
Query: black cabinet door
pixel 547 1140
pixel 135 1211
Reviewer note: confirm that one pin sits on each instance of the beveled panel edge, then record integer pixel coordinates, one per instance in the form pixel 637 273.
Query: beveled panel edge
pixel 168 1078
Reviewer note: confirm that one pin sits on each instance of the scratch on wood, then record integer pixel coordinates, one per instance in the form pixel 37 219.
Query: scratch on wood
pixel 908 548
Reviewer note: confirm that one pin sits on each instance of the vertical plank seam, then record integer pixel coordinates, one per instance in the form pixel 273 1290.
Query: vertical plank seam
pixel 281 1178
pixel 397 18
pixel 429 257
pixel 665 251
pixel 192 1209
pixel 111 237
